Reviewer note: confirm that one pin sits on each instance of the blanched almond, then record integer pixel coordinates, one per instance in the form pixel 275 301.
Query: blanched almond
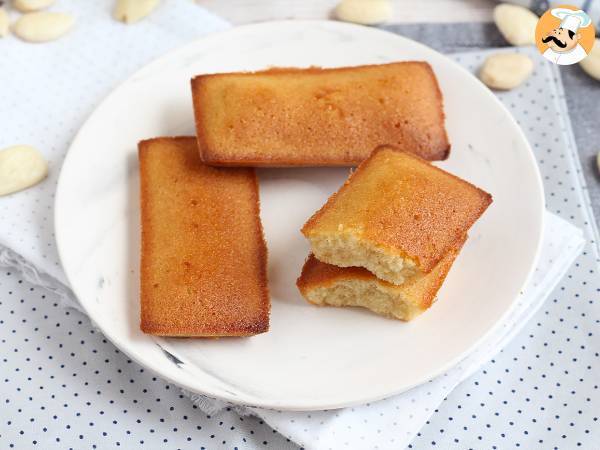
pixel 42 26
pixel 506 70
pixel 365 12
pixel 31 5
pixel 130 11
pixel 3 22
pixel 516 23
pixel 21 166
pixel 591 64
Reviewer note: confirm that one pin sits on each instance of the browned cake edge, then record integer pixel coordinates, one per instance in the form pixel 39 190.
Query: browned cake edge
pixel 443 152
pixel 197 84
pixel 424 266
pixel 147 325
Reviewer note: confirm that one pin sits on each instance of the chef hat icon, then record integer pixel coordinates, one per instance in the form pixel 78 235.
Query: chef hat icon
pixel 571 20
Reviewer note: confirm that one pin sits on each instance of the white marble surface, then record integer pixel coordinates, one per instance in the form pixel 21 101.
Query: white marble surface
pixel 291 366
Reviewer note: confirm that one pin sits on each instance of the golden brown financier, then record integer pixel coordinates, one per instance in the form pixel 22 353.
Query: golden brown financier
pixel 204 258
pixel 397 215
pixel 318 117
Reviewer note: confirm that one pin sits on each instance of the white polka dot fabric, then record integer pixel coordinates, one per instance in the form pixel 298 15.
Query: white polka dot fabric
pixel 542 390
pixel 48 90
pixel 392 423
pixel 65 386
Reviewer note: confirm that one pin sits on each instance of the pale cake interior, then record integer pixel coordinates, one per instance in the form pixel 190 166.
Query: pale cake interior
pixel 346 249
pixel 325 284
pixel 368 294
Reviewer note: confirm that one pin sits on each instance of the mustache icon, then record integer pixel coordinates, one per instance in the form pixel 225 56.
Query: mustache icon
pixel 555 40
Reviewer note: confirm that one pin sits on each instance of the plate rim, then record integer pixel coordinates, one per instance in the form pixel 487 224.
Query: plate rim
pixel 222 395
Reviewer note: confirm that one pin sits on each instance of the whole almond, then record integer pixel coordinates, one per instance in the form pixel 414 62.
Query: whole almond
pixel 21 166
pixel 130 11
pixel 505 71
pixel 42 26
pixel 31 5
pixel 591 64
pixel 516 23
pixel 364 12
pixel 3 22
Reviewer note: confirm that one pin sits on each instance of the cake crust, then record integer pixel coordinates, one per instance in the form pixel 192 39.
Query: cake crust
pixel 400 206
pixel 203 259
pixel 318 117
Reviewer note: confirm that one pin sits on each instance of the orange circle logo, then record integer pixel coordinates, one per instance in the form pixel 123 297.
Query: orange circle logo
pixel 565 35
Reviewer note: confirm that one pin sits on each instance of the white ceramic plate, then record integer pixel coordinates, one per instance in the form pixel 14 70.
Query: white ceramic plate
pixel 312 358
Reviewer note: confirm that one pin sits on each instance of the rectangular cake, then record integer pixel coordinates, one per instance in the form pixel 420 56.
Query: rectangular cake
pixel 204 258
pixel 325 284
pixel 318 117
pixel 397 215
